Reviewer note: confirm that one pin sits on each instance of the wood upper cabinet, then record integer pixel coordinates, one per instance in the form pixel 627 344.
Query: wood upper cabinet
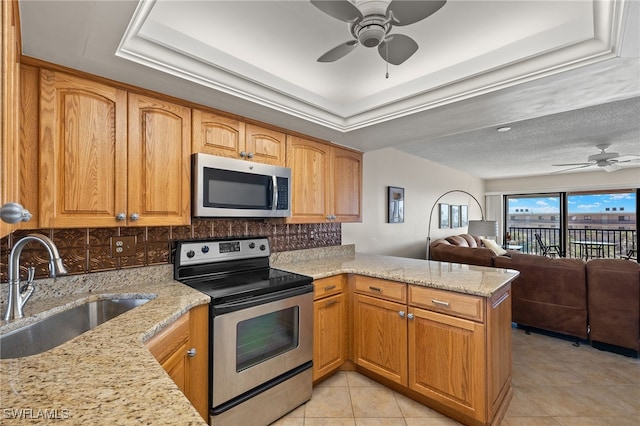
pixel 9 107
pixel 326 182
pixel 159 162
pixel 347 185
pixel 110 159
pixel 330 325
pixel 228 137
pixel 182 349
pixel 83 152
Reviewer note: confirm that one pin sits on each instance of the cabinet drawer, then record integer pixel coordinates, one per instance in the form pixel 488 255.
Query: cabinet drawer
pixel 447 302
pixel 328 286
pixel 382 289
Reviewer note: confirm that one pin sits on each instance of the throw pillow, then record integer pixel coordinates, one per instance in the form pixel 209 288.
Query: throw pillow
pixel 493 246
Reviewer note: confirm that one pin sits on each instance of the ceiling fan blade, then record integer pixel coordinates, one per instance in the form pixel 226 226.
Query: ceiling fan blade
pixel 572 168
pixel 397 48
pixel 341 9
pixel 338 51
pixel 408 12
pixel 611 167
pixel 574 164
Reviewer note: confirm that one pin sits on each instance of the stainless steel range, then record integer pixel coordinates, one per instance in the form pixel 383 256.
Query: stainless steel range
pixel 261 326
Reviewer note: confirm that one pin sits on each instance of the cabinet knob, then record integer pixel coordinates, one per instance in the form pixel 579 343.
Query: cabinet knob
pixel 250 155
pixel 121 216
pixel 134 216
pixel 243 154
pixel 401 313
pixel 410 316
pixel 14 213
pixel 192 352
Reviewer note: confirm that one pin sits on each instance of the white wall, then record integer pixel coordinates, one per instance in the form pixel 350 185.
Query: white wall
pixel 621 179
pixel 423 182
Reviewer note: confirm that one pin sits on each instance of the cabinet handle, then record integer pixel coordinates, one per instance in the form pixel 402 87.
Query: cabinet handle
pixel 329 287
pixel 401 313
pixel 121 216
pixel 376 289
pixel 250 155
pixel 410 316
pixel 134 216
pixel 243 154
pixel 331 302
pixel 440 302
pixel 192 352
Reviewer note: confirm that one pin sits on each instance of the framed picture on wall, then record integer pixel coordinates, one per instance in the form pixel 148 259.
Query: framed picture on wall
pixel 444 216
pixel 395 199
pixel 464 216
pixel 455 217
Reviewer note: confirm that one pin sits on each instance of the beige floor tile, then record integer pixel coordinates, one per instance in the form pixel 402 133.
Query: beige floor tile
pixel 356 379
pixel 374 401
pixel 387 421
pixel 585 421
pixel 523 406
pixel 329 401
pixel 530 421
pixel 289 421
pixel 411 408
pixel 337 379
pixel 431 421
pixel 336 421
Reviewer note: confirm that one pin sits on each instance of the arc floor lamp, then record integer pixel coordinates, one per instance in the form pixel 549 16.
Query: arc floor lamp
pixel 482 227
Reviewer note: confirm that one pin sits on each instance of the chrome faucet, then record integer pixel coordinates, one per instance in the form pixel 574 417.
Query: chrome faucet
pixel 17 296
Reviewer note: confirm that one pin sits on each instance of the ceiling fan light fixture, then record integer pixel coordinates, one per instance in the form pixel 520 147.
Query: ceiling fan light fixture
pixel 371 35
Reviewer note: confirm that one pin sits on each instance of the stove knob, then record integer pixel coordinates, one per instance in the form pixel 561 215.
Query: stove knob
pixel 252 245
pixel 263 247
pixel 205 249
pixel 191 253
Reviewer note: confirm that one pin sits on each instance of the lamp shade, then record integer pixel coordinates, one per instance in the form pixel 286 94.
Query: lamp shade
pixel 484 228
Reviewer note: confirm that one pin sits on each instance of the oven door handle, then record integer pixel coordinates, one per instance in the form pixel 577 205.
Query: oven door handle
pixel 249 302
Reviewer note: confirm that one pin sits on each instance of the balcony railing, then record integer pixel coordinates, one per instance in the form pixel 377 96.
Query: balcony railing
pixel 617 242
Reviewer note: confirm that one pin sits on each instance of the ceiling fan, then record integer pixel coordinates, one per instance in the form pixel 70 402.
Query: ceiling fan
pixel 608 161
pixel 371 21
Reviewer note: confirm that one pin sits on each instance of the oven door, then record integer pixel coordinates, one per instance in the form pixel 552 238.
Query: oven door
pixel 257 343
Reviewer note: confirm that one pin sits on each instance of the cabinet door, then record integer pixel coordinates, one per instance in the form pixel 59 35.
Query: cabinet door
pixel 9 106
pixel 329 331
pixel 83 156
pixel 309 162
pixel 265 145
pixel 217 135
pixel 446 361
pixel 347 185
pixel 159 162
pixel 380 337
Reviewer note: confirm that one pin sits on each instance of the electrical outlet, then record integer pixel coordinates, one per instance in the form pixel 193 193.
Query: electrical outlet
pixel 123 246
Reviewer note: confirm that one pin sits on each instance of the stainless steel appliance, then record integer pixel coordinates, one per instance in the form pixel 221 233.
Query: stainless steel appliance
pixel 226 187
pixel 261 326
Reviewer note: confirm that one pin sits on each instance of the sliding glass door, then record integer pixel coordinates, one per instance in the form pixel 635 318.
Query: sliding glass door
pixel 531 214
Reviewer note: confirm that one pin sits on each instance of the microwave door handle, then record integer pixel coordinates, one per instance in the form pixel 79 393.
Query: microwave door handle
pixel 274 183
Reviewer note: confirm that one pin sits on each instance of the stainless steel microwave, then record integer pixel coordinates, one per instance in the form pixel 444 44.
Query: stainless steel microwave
pixel 226 187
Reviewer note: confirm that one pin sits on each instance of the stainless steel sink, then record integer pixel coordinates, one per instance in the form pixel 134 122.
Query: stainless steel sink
pixel 55 330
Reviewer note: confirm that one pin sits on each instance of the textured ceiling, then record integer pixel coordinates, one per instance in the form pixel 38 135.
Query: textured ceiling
pixel 564 74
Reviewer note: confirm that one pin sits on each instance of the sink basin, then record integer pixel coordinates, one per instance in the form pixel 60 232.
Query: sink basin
pixel 55 330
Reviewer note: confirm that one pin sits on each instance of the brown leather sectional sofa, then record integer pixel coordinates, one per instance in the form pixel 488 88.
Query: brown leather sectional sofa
pixel 598 300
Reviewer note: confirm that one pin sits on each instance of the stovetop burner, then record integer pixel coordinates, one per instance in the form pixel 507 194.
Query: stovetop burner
pixel 231 269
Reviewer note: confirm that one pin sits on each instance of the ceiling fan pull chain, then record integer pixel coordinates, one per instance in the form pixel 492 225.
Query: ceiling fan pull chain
pixel 386 59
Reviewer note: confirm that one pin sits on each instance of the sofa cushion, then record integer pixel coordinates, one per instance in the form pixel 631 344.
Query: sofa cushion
pixel 493 246
pixel 446 252
pixel 614 302
pixel 458 240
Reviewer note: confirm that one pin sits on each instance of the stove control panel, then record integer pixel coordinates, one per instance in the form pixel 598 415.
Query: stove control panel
pixel 197 252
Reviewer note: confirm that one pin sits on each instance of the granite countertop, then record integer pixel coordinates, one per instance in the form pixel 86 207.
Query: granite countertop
pixel 106 375
pixel 476 280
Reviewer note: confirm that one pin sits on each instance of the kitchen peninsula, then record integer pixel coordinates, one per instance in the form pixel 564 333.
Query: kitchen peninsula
pixel 108 375
pixel 437 332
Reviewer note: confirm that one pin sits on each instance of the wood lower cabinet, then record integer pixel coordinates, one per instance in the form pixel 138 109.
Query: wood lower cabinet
pixel 183 351
pixel 449 350
pixel 229 137
pixel 330 325
pixel 380 327
pixel 327 182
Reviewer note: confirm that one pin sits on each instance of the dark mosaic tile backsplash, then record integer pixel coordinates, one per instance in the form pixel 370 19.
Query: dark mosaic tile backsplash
pixel 85 250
